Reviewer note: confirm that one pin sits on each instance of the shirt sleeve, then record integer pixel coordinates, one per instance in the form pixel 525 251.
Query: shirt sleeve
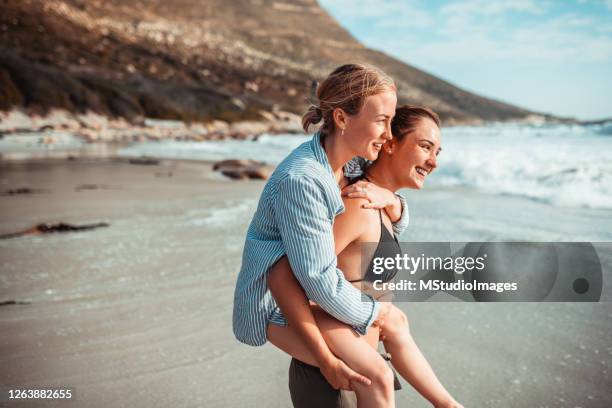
pixel 303 218
pixel 355 167
pixel 400 225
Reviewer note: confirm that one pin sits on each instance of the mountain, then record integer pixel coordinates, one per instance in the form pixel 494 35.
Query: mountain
pixel 195 60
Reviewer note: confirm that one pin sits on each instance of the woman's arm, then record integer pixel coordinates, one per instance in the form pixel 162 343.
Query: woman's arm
pixel 294 304
pixel 304 217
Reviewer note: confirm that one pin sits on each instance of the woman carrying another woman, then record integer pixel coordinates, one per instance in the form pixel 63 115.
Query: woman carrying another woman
pixel 296 212
pixel 405 162
pixel 295 216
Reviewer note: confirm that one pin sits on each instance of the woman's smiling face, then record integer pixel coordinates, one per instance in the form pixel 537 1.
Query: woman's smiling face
pixel 367 131
pixel 415 156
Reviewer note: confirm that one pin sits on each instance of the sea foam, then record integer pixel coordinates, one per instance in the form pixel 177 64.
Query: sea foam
pixel 564 165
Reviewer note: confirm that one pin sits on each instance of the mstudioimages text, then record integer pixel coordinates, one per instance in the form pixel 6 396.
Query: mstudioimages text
pixel 456 265
pixel 440 285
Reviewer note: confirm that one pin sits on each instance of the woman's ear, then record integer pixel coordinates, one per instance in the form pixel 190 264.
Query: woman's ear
pixel 340 118
pixel 390 146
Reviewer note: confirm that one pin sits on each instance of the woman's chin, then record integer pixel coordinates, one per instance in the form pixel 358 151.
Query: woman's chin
pixel 372 155
pixel 416 183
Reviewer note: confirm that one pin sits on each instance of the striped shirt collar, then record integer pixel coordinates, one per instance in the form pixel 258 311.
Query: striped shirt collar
pixel 317 147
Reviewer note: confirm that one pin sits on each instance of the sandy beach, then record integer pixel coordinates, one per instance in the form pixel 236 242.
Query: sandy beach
pixel 128 130
pixel 138 314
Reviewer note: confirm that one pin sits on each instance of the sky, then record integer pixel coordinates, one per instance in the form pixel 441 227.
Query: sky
pixel 547 56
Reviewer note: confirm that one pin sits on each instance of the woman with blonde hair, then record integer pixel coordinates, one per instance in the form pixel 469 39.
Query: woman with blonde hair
pixel 295 217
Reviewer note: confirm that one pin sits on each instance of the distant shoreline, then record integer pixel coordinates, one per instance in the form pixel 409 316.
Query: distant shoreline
pixel 92 127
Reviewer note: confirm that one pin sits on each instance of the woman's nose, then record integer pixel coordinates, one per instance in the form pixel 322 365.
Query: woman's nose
pixel 432 160
pixel 388 135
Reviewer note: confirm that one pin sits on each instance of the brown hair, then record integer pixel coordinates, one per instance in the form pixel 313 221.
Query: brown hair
pixel 346 87
pixel 407 117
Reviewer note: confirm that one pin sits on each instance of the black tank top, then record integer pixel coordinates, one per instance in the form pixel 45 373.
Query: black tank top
pixel 388 247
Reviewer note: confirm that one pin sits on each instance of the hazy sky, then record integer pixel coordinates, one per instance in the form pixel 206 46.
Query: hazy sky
pixel 549 56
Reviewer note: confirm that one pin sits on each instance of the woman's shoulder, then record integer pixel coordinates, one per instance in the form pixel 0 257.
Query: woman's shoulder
pixel 362 222
pixel 353 208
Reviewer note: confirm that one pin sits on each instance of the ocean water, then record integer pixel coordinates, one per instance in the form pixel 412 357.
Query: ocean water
pixel 547 182
pixel 561 165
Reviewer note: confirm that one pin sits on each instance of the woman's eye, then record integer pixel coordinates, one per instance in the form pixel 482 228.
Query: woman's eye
pixel 426 147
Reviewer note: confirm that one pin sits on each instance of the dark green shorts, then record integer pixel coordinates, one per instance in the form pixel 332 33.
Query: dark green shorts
pixel 308 388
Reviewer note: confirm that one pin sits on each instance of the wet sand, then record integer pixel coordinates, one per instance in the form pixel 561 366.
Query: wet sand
pixel 139 314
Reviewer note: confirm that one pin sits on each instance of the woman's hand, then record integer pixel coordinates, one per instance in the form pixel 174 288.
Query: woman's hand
pixel 378 197
pixel 339 375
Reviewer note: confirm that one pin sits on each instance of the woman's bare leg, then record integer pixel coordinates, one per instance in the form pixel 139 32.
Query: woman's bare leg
pixel 361 356
pixel 359 352
pixel 294 304
pixel 408 360
pixel 291 343
pixel 296 308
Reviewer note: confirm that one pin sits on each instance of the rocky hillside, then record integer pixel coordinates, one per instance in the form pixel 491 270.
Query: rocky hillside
pixel 194 60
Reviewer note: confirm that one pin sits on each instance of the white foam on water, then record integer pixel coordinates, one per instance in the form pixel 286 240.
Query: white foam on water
pixel 232 213
pixel 561 165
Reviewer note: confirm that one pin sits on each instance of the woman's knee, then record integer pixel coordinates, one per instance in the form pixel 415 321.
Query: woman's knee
pixel 396 322
pixel 381 376
pixel 380 391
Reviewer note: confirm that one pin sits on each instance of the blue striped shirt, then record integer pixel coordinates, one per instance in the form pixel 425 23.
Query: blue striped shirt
pixel 295 217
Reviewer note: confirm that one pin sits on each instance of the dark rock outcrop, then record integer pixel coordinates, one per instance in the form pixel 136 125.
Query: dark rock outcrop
pixel 145 161
pixel 84 187
pixel 244 169
pixel 13 302
pixel 52 228
pixel 22 191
